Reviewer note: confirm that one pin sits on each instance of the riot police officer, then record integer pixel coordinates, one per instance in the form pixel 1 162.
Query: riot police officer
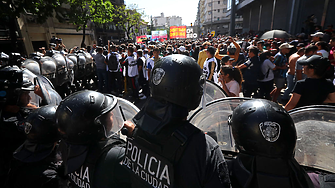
pixel 165 150
pixel 37 163
pixel 265 136
pixel 91 151
pixel 14 96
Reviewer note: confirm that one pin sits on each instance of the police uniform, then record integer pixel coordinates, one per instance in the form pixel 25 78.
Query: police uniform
pixel 12 84
pixel 265 136
pixel 165 149
pixel 36 162
pixel 91 154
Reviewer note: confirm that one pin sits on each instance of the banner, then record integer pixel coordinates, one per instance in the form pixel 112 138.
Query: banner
pixel 213 33
pixel 190 33
pixel 162 34
pixel 154 34
pixel 140 39
pixel 178 32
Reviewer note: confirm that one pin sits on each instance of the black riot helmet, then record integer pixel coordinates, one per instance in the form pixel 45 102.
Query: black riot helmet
pixel 177 79
pixel 80 116
pixel 40 125
pixel 12 84
pixel 264 128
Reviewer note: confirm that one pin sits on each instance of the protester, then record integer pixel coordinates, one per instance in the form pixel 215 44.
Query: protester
pixel 266 84
pixel 250 74
pixel 230 79
pixel 316 88
pixel 280 73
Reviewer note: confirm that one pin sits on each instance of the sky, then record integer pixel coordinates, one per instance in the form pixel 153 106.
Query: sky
pixel 187 9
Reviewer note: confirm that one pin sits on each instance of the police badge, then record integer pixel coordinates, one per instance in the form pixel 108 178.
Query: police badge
pixel 27 127
pixel 158 75
pixel 270 130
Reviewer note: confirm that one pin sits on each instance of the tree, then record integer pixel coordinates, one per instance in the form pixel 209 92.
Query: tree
pixel 12 9
pixel 83 11
pixel 129 19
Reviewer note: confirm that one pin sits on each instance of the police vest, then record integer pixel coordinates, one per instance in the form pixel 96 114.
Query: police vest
pixel 152 164
pixel 264 172
pixel 84 176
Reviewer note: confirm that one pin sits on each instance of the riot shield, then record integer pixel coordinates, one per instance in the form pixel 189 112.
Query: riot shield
pixel 316 136
pixel 124 110
pixel 213 120
pixel 50 95
pixel 211 92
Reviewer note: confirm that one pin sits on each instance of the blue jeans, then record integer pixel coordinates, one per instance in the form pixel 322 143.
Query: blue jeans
pixel 102 77
pixel 290 86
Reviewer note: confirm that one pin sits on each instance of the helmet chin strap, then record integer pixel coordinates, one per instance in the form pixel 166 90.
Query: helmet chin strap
pixel 155 115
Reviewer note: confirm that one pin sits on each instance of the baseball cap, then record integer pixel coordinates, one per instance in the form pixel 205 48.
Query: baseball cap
pixel 182 48
pixel 285 45
pixel 316 62
pixel 317 34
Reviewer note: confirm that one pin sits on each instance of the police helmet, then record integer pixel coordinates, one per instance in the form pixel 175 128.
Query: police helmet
pixel 177 79
pixel 264 128
pixel 81 117
pixel 12 83
pixel 40 125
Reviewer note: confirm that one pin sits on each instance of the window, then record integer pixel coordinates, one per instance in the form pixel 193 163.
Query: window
pixel 218 2
pixel 214 9
pixel 218 19
pixel 209 12
pixel 209 4
pixel 218 10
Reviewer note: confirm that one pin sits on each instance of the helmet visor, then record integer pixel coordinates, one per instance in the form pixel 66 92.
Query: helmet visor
pixel 112 121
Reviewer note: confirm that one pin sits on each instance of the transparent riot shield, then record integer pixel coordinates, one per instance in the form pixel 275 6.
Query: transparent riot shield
pixel 316 136
pixel 211 92
pixel 50 95
pixel 35 99
pixel 213 120
pixel 127 111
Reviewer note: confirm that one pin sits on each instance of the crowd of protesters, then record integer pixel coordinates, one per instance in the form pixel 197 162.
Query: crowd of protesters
pixel 273 69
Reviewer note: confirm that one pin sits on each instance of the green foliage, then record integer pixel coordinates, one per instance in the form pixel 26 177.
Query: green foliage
pixel 40 9
pixel 83 11
pixel 129 19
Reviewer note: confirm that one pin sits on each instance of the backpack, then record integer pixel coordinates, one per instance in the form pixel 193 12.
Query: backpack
pixel 259 75
pixel 112 62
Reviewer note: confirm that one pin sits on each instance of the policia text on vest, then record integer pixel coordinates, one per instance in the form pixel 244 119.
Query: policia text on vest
pixel 153 169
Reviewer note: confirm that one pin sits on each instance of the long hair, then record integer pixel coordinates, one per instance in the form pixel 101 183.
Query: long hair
pixel 234 73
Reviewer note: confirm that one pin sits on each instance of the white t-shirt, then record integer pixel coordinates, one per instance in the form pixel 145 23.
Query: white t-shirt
pixel 267 66
pixel 144 68
pixel 233 87
pixel 132 66
pixel 206 69
pixel 324 53
pixel 150 65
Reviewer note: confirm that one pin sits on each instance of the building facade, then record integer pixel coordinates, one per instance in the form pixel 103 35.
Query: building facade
pixel 293 16
pixel 162 21
pixel 212 16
